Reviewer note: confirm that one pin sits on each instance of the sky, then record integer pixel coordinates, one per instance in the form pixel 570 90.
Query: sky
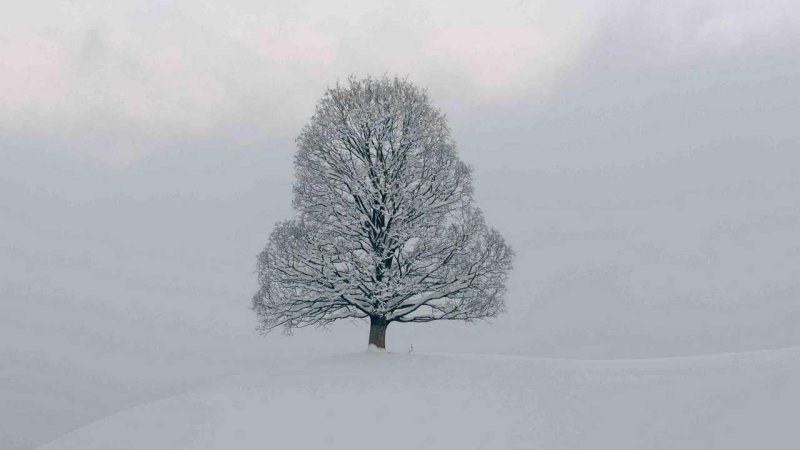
pixel 639 156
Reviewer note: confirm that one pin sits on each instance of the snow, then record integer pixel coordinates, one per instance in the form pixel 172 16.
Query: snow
pixel 466 401
pixel 375 348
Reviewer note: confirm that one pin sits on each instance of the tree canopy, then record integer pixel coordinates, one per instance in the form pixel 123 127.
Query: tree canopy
pixel 386 228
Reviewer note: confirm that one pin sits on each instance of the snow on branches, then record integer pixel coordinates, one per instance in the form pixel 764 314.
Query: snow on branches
pixel 386 225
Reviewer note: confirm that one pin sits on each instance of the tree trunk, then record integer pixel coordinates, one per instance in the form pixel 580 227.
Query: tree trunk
pixel 377 333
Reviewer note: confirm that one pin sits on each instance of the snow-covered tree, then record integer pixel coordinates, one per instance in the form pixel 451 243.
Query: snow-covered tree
pixel 386 226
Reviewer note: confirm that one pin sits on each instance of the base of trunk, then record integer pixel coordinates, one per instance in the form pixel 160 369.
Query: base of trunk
pixel 377 333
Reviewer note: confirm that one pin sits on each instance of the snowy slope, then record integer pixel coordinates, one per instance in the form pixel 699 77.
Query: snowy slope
pixel 413 401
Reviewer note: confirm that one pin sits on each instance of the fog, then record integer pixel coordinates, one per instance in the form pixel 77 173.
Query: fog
pixel 641 161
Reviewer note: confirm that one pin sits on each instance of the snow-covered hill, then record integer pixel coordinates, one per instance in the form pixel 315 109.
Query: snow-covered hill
pixel 414 401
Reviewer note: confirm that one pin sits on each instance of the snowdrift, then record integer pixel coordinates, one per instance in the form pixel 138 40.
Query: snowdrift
pixel 413 401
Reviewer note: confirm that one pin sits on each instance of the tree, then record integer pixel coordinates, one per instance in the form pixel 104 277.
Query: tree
pixel 386 225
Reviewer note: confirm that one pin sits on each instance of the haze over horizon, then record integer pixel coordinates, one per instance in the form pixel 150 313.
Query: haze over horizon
pixel 639 156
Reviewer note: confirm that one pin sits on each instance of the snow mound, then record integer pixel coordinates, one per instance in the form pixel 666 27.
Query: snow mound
pixel 413 401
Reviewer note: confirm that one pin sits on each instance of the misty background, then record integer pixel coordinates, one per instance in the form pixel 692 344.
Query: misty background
pixel 641 158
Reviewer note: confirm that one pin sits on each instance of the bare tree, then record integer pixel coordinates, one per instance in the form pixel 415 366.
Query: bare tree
pixel 386 228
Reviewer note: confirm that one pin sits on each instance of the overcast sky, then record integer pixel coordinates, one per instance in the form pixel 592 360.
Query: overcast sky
pixel 640 156
pixel 121 82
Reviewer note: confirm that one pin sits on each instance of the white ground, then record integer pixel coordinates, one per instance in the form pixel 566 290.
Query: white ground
pixel 413 401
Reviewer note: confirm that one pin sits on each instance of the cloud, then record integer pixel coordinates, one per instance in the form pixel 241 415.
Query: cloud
pixel 303 45
pixel 32 74
pixel 119 83
pixel 687 32
pixel 506 48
